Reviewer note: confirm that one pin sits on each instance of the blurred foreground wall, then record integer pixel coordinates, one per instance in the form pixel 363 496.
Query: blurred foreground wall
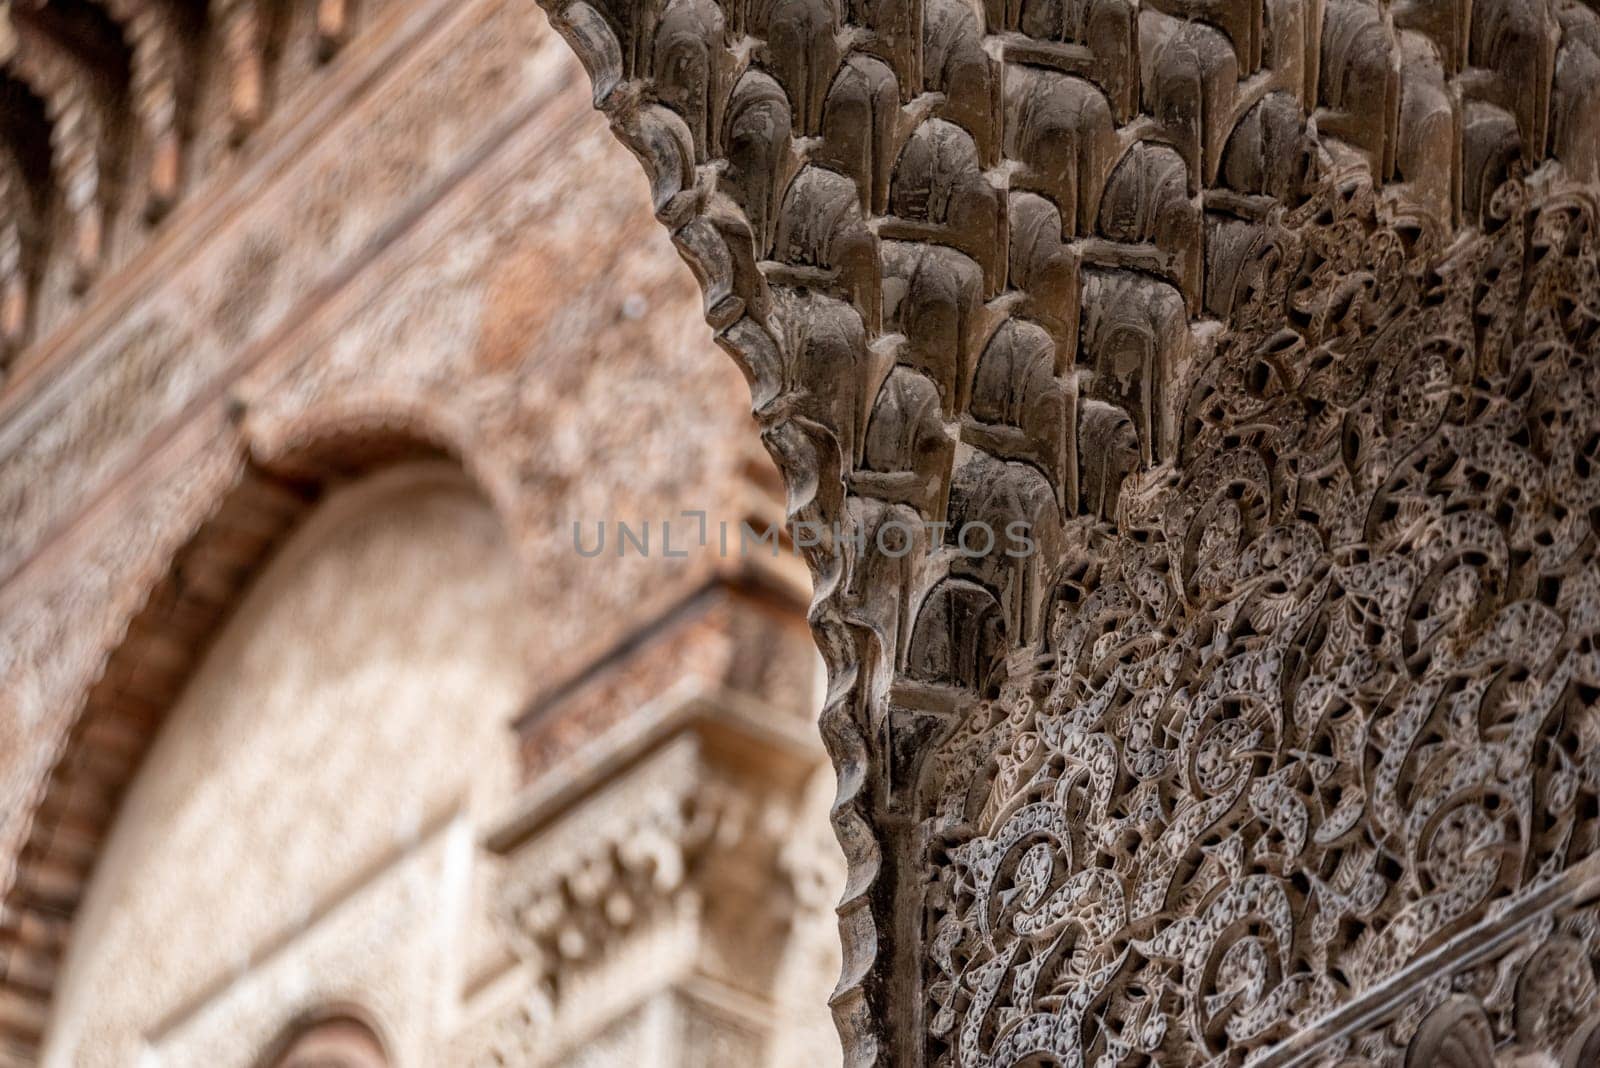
pixel 320 741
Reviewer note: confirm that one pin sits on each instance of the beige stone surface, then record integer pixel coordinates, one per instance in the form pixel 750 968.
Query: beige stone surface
pixel 292 833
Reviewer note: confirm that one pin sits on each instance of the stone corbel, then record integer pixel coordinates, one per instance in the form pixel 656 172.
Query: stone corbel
pixel 244 49
pixel 157 68
pixel 675 842
pixel 333 26
pixel 14 287
pixel 78 129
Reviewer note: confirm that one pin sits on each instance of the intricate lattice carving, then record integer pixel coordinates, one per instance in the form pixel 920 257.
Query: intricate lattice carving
pixel 1327 691
pixel 1274 322
pixel 1525 995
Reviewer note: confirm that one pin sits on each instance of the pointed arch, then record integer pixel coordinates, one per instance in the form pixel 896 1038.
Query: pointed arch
pixel 179 613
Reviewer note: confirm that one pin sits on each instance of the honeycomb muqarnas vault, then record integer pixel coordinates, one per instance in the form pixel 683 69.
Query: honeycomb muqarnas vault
pixel 1277 321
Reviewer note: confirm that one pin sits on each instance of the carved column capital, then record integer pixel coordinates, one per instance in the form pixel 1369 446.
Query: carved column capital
pixel 682 825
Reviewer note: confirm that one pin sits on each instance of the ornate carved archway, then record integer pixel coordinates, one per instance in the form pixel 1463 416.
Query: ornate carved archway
pixel 1276 322
pixel 181 610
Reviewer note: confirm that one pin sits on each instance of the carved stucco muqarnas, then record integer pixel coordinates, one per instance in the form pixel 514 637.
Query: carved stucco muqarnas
pixel 1276 320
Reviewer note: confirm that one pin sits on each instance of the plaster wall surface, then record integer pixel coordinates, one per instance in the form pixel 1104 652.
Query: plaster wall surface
pixel 292 838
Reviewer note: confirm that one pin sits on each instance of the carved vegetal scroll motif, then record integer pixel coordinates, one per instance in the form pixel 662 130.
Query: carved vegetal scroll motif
pixel 1274 322
pixel 1327 696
